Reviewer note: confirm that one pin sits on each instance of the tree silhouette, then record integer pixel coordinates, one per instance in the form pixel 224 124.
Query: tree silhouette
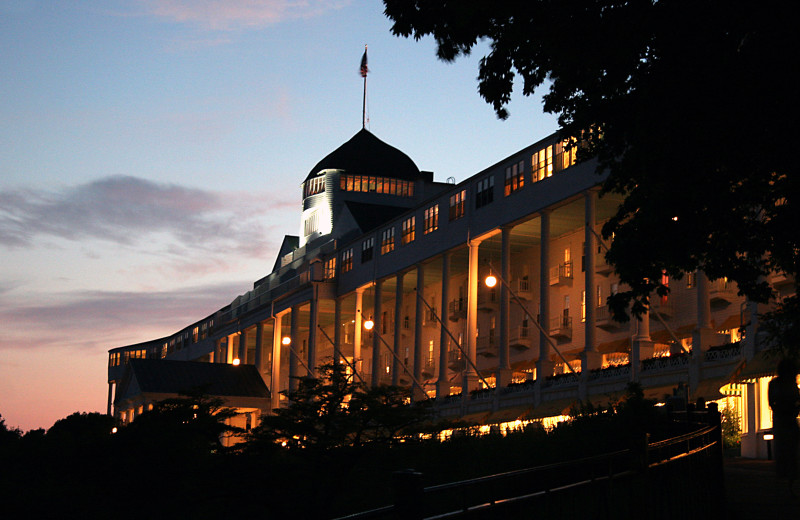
pixel 334 411
pixel 688 106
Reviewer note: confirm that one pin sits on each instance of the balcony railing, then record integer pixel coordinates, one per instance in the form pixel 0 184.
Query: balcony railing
pixel 561 274
pixel 722 292
pixel 520 337
pixel 457 309
pixel 561 327
pixel 603 319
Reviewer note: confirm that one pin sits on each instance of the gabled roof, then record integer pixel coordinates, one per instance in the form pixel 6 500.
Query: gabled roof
pixel 371 216
pixel 365 154
pixel 161 376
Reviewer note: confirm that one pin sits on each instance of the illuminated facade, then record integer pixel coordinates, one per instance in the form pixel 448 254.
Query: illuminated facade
pixel 382 243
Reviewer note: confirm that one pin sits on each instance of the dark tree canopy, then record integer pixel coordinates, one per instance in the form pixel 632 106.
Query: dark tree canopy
pixel 694 115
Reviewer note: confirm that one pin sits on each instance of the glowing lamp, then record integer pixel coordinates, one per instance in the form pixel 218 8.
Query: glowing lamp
pixel 491 280
pixel 369 324
pixel 114 429
pixel 768 436
pixel 236 361
pixel 286 340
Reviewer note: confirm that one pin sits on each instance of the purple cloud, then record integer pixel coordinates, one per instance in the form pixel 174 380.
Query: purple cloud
pixel 126 210
pixel 106 319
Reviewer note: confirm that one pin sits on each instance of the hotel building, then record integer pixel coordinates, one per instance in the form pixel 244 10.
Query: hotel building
pixel 388 274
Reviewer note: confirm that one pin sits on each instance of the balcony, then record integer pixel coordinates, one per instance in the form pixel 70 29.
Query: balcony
pixel 520 337
pixel 522 288
pixel 457 309
pixel 486 345
pixel 429 318
pixel 561 274
pixel 561 327
pixel 722 292
pixel 488 300
pixel 663 306
pixel 455 361
pixel 603 319
pixel 600 265
pixel 429 368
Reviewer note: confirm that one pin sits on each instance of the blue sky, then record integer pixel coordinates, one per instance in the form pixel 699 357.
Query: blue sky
pixel 151 154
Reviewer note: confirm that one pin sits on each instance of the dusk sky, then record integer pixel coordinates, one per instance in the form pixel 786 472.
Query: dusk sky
pixel 151 153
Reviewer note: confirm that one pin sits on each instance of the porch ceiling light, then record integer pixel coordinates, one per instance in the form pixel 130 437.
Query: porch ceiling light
pixel 236 361
pixel 286 340
pixel 491 280
pixel 368 324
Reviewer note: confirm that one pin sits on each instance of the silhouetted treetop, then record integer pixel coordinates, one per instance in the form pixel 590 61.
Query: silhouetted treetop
pixel 693 115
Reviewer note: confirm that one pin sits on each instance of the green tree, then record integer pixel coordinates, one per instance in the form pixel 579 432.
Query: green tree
pixel 692 111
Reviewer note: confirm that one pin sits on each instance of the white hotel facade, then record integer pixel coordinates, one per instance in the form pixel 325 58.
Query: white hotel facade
pixel 382 244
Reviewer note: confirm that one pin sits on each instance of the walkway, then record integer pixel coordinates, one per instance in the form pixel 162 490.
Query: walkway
pixel 754 492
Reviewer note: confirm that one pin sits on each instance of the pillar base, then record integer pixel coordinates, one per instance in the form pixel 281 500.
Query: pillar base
pixel 503 377
pixel 591 360
pixel 703 339
pixel 470 382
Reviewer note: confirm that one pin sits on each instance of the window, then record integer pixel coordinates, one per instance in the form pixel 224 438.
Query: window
pixel 407 234
pixel 330 269
pixel 431 219
pixel 542 163
pixel 515 178
pixel 387 240
pixel 600 301
pixel 311 224
pixel 384 185
pixel 195 334
pixel 485 192
pixel 367 246
pixel 566 152
pixel 583 306
pixel 314 186
pixel 691 280
pixel 347 260
pixel 457 209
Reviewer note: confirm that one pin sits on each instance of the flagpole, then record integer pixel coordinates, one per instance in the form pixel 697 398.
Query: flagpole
pixel 364 70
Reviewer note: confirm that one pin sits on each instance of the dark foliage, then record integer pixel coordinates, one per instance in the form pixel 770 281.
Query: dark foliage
pixel 692 111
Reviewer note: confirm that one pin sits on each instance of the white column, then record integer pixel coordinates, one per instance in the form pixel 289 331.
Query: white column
pixel 443 383
pixel 470 376
pixel 503 376
pixel 704 335
pixel 259 357
pixel 419 316
pixel 357 361
pixel 398 323
pixel 337 333
pixel 590 359
pixel 313 320
pixel 376 334
pixel 544 367
pixel 275 374
pixel 294 347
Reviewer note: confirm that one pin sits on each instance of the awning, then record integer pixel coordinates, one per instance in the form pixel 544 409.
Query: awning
pixel 763 364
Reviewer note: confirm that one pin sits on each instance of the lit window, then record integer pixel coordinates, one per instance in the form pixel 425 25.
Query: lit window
pixel 515 178
pixel 583 306
pixel 367 246
pixel 691 280
pixel 457 208
pixel 347 260
pixel 431 219
pixel 566 152
pixel 387 240
pixel 330 268
pixel 542 163
pixel 407 234
pixel 484 193
pixel 314 186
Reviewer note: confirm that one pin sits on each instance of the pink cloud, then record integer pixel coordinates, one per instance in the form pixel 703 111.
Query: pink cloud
pixel 239 14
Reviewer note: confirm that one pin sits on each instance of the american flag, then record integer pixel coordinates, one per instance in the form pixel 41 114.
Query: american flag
pixel 364 68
